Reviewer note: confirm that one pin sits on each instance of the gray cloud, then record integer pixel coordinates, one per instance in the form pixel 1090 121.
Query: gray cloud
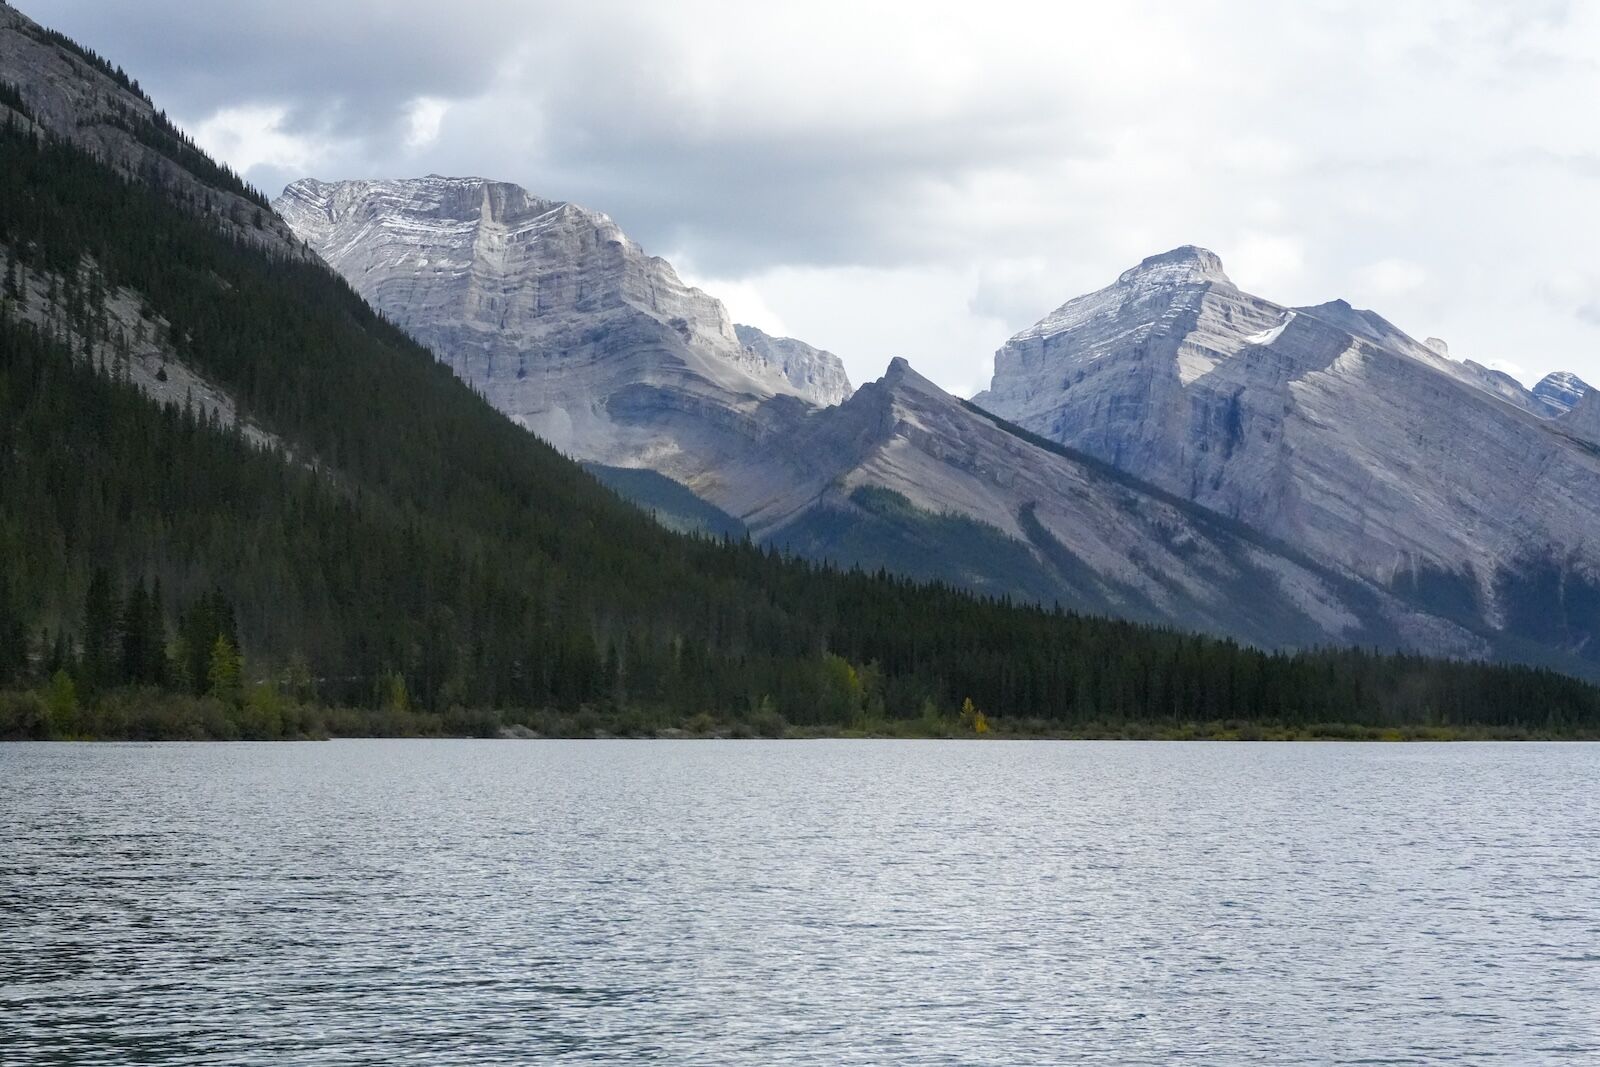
pixel 347 64
pixel 899 181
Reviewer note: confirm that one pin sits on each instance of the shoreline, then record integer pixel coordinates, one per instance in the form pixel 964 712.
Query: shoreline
pixel 148 716
pixel 1374 736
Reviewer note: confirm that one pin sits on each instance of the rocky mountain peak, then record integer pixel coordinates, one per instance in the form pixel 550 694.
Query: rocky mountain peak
pixel 562 321
pixel 312 206
pixel 1184 265
pixel 1326 426
pixel 817 374
pixel 899 377
pixel 1439 345
pixel 1559 391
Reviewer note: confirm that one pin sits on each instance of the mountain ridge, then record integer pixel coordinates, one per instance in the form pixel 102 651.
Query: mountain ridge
pixel 1323 426
pixel 793 470
pixel 798 474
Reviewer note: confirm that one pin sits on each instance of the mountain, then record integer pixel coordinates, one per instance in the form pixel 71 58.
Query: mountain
pixel 818 374
pixel 1582 420
pixel 1328 428
pixel 906 477
pixel 372 533
pixel 1558 391
pixel 766 431
pixel 561 321
pixel 1178 390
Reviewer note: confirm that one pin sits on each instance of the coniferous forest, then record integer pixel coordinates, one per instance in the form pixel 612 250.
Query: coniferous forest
pixel 397 557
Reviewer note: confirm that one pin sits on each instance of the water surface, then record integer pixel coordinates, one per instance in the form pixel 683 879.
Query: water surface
pixel 813 902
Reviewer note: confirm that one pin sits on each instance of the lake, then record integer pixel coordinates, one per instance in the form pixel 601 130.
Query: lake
pixel 799 902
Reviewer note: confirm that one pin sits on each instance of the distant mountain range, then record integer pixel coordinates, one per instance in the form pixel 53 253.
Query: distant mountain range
pixel 1167 449
pixel 211 444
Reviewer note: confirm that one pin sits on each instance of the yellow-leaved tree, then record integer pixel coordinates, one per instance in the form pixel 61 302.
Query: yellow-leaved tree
pixel 972 718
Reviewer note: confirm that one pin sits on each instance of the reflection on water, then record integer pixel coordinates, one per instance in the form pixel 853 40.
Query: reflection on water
pixel 799 902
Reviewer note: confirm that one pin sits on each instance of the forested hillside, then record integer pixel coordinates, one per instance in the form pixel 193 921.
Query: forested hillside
pixel 401 546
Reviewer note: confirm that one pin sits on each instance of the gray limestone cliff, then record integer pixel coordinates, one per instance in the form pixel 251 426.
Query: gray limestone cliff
pixel 819 375
pixel 556 316
pixel 1327 428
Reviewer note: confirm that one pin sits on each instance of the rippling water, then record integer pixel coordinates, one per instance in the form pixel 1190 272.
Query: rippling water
pixel 817 902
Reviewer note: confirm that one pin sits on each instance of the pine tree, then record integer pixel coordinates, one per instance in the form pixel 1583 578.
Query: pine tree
pixel 61 701
pixel 144 637
pixel 225 671
pixel 157 671
pixel 100 625
pixel 13 637
pixel 135 637
pixel 209 619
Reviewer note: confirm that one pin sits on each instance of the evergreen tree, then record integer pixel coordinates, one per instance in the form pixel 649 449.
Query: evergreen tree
pixel 61 702
pixel 13 637
pixel 208 619
pixel 143 637
pixel 58 653
pixel 135 639
pixel 225 671
pixel 157 670
pixel 100 654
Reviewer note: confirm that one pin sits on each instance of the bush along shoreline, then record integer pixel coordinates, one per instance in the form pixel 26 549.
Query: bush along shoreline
pixel 56 713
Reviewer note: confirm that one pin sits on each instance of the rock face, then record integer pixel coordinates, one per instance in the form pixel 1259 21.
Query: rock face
pixel 1582 420
pixel 818 375
pixel 1330 429
pixel 559 319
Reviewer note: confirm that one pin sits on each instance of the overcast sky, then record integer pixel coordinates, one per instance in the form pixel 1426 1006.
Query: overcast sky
pixel 924 179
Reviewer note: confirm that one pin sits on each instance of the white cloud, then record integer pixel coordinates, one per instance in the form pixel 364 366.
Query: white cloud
pixel 253 136
pixel 1264 262
pixel 424 120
